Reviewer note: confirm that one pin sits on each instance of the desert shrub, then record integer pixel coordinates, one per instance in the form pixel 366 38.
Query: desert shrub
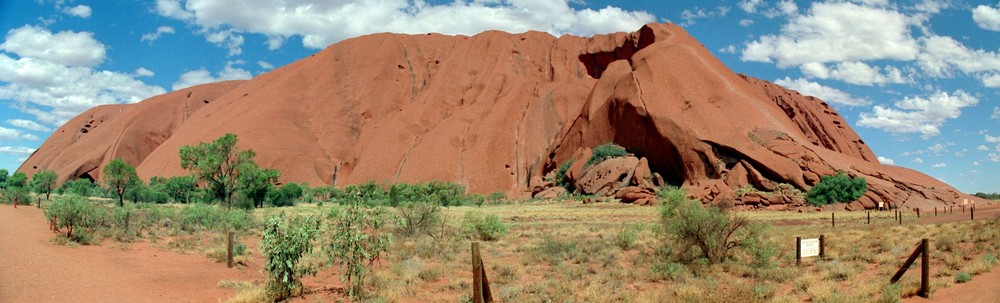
pixel 417 218
pixel 284 243
pixel 122 220
pixel 625 239
pixel 496 197
pixel 477 200
pixel 359 242
pixel 707 232
pixel 197 216
pixel 20 193
pixel 369 193
pixel 603 152
pixel 286 195
pixel 554 251
pixel 836 188
pixel 476 225
pixel 962 277
pixel 71 212
pixel 561 175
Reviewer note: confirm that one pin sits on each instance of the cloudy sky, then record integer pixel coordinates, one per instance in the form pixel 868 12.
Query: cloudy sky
pixel 918 80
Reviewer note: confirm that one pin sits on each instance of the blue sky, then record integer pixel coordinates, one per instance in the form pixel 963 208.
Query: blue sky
pixel 918 80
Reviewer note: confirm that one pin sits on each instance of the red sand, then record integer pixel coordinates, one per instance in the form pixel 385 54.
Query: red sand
pixel 34 269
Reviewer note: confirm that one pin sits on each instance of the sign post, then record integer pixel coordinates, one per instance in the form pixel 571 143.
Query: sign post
pixel 805 248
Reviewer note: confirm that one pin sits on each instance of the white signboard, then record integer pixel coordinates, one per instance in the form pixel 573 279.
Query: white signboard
pixel 810 247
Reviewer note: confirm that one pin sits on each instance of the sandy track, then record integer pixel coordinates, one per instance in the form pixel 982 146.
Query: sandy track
pixel 33 269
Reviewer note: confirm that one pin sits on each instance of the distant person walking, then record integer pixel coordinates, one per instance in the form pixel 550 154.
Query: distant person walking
pixel 15 201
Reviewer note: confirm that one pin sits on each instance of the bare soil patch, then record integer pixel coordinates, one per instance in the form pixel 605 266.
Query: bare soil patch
pixel 34 269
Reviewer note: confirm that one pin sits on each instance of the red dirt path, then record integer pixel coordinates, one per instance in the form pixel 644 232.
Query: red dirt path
pixel 34 269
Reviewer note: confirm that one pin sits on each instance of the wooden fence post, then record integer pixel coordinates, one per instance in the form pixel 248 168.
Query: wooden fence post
pixel 833 219
pixel 822 247
pixel 972 213
pixel 480 284
pixel 869 217
pixel 925 269
pixel 229 250
pixel 918 213
pixel 935 211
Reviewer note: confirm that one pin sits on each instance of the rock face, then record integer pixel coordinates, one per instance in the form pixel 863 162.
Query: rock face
pixel 494 111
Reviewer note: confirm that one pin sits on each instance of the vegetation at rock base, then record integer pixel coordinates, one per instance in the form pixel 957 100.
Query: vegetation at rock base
pixel 223 168
pixel 357 242
pixel 43 182
pixel 603 152
pixel 708 232
pixel 836 188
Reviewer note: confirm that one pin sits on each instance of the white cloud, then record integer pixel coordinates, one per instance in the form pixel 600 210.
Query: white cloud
pixel 19 150
pixel 150 37
pixel 81 11
pixel 265 65
pixel 65 48
pixel 918 114
pixel 29 125
pixel 917 160
pixel 886 161
pixel 939 165
pixel 987 18
pixel 691 17
pixel 750 6
pixel 730 49
pixel 746 22
pixel 54 81
pixel 321 23
pixel 837 32
pixel 855 73
pixel 143 72
pixel 788 7
pixel 996 113
pixel 992 139
pixel 937 148
pixel 826 93
pixel 992 80
pixel 9 134
pixel 943 56
pixel 30 137
pixel 994 157
pixel 983 148
pixel 202 76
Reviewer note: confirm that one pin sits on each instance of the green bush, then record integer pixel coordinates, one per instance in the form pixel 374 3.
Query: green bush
pixel 625 239
pixel 19 193
pixel 419 217
pixel 561 175
pixel 71 212
pixel 836 188
pixel 496 197
pixel 603 152
pixel 962 277
pixel 81 187
pixel 705 232
pixel 476 225
pixel 359 242
pixel 284 243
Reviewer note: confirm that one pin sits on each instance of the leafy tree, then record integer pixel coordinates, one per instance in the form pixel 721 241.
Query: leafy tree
pixel 17 180
pixel 218 165
pixel 284 195
pixel 285 242
pixel 256 182
pixel 4 174
pixel 69 211
pixel 43 182
pixel 359 242
pixel 836 188
pixel 180 188
pixel 80 187
pixel 119 176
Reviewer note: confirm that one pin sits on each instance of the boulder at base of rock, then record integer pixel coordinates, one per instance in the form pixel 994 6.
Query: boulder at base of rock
pixel 551 192
pixel 603 178
pixel 636 195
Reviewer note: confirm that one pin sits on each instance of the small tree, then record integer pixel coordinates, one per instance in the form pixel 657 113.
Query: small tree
pixel 80 187
pixel 837 188
pixel 256 182
pixel 284 244
pixel 68 211
pixel 119 176
pixel 359 241
pixel 43 182
pixel 4 174
pixel 17 180
pixel 218 165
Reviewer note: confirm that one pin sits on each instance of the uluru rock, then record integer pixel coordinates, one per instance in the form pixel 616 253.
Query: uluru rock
pixel 491 112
